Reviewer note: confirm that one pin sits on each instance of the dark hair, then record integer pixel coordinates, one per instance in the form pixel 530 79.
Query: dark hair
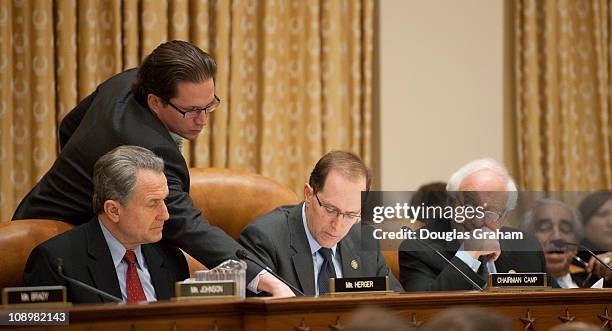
pixel 575 326
pixel 370 318
pixel 170 63
pixel 347 163
pixel 591 204
pixel 431 194
pixel 114 176
pixel 468 319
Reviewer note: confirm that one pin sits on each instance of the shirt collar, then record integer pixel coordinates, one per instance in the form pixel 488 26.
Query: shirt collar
pixel 178 140
pixel 567 280
pixel 117 249
pixel 314 245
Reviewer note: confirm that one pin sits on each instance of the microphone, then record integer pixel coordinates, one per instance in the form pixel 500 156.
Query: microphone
pixel 585 266
pixel 243 255
pixel 448 261
pixel 563 243
pixel 581 261
pixel 60 271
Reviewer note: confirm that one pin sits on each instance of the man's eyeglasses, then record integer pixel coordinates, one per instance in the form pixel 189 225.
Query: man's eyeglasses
pixel 493 216
pixel 191 114
pixel 335 212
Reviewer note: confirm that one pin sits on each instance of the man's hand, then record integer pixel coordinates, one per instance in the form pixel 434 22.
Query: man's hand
pixel 598 268
pixel 479 247
pixel 272 285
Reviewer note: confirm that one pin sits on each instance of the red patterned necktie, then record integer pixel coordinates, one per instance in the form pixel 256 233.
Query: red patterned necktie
pixel 133 287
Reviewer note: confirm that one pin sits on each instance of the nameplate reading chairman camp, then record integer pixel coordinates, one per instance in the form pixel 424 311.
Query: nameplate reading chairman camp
pixel 515 281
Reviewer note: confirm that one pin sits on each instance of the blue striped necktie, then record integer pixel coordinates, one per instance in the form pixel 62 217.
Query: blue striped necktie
pixel 327 270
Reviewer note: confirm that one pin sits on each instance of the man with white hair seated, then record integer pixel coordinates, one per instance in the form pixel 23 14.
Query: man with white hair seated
pixel 483 184
pixel 554 223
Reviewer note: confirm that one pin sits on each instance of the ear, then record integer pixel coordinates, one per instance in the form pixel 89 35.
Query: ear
pixel 112 209
pixel 308 192
pixel 154 102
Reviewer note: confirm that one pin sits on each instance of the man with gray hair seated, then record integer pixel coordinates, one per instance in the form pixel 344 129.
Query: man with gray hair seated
pixel 555 223
pixel 117 251
pixel 485 185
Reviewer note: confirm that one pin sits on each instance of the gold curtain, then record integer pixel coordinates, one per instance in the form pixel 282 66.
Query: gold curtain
pixel 562 72
pixel 295 78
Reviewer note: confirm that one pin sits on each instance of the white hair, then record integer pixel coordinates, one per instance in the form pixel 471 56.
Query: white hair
pixel 457 178
pixel 527 220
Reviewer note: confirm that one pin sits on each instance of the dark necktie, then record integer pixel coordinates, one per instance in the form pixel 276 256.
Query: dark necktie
pixel 327 270
pixel 133 287
pixel 483 270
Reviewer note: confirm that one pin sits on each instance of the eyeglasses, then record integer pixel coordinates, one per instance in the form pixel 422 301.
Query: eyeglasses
pixel 191 114
pixel 493 216
pixel 332 211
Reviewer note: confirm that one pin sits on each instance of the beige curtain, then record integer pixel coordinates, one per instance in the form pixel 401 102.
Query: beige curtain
pixel 562 71
pixel 295 78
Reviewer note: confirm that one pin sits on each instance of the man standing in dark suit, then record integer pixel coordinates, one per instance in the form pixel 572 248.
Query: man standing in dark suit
pixel 118 251
pixel 480 183
pixel 321 237
pixel 168 98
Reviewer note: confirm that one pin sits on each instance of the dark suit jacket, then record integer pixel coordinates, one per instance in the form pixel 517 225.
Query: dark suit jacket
pixel 421 269
pixel 585 256
pixel 108 118
pixel 86 257
pixel 279 240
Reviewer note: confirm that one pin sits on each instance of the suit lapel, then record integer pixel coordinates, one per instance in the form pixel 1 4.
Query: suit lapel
pixel 159 274
pixel 448 248
pixel 507 261
pixel 580 277
pixel 301 257
pixel 100 263
pixel 351 262
pixel 148 119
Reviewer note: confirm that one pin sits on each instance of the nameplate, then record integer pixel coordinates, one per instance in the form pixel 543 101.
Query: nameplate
pixel 34 295
pixel 205 289
pixel 512 281
pixel 358 284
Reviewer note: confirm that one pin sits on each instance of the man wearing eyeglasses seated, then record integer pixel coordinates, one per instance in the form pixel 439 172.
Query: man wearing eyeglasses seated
pixel 168 98
pixel 484 184
pixel 321 237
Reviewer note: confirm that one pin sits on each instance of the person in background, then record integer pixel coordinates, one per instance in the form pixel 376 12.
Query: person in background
pixel 430 194
pixel 553 222
pixel 482 183
pixel 374 318
pixel 596 210
pixel 468 319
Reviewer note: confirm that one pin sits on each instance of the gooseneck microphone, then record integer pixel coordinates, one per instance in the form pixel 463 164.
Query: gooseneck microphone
pixel 585 266
pixel 447 261
pixel 60 272
pixel 243 255
pixel 562 243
